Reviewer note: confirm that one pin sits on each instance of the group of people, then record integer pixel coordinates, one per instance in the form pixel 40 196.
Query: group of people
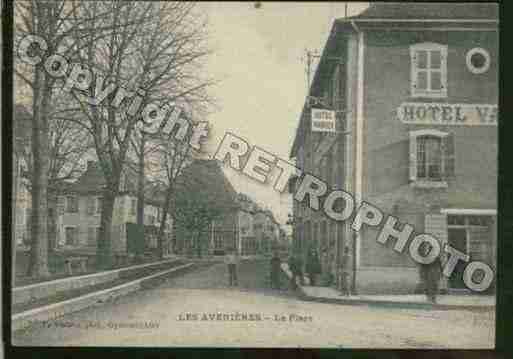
pixel 429 274
pixel 232 260
pixel 313 269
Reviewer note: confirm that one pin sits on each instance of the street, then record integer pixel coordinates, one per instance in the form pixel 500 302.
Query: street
pixel 199 309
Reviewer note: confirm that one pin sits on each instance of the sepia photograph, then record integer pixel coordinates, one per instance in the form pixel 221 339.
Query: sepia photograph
pixel 253 174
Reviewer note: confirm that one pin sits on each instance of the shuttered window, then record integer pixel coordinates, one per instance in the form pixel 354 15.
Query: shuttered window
pixel 428 70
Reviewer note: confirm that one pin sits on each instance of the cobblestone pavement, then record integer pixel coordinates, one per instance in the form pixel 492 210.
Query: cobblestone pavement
pixel 199 309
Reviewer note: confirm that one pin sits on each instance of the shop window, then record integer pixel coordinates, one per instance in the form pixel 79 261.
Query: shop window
pixel 428 70
pixel 431 158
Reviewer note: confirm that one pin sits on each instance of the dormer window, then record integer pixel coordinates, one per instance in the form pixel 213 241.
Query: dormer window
pixel 428 70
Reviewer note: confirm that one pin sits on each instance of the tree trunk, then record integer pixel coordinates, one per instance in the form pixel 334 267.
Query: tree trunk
pixel 165 211
pixel 140 190
pixel 52 226
pixel 104 249
pixel 198 243
pixel 38 265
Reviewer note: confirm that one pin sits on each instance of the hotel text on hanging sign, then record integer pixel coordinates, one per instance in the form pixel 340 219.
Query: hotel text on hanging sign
pixel 323 120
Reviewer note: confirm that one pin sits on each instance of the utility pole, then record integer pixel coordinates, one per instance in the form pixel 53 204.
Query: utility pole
pixel 310 55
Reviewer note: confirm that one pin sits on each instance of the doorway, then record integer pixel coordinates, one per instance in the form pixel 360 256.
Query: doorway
pixel 458 240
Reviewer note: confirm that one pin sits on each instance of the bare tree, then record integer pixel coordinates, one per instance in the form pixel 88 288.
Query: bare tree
pixel 154 51
pixel 171 158
pixel 52 22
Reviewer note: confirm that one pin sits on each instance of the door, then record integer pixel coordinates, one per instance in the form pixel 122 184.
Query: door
pixel 458 240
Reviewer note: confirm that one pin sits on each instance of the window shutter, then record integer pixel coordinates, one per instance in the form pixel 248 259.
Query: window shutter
pixel 60 205
pixel 413 157
pixel 413 58
pixel 443 67
pixel 448 148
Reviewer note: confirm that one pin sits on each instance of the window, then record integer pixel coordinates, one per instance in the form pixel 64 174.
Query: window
pixel 71 234
pixel 150 219
pixel 133 206
pixel 99 205
pixel 61 200
pixel 478 60
pixel 431 158
pixel 90 205
pixel 28 213
pixel 71 204
pixel 93 233
pixel 428 70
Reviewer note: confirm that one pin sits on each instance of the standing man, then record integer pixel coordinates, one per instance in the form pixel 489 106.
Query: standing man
pixel 231 261
pixel 313 266
pixel 275 270
pixel 296 268
pixel 345 272
pixel 293 271
pixel 430 275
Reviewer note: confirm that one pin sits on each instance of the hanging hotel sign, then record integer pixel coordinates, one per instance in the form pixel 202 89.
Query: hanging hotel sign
pixel 323 120
pixel 448 114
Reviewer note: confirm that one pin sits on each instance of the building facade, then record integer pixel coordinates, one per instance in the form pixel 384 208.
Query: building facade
pixel 415 90
pixel 247 239
pixel 203 188
pixel 78 214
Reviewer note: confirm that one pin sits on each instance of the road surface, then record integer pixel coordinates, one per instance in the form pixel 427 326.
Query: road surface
pixel 199 309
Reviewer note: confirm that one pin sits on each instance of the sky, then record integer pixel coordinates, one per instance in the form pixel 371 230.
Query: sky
pixel 259 60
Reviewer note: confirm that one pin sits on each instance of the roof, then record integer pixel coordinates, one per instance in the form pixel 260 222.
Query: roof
pixel 204 181
pixel 93 180
pixel 428 14
pixel 430 11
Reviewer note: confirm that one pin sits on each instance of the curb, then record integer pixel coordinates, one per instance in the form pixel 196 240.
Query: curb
pixel 55 310
pixel 393 304
pixel 385 303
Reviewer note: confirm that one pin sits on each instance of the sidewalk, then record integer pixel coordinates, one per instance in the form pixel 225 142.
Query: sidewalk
pixel 413 301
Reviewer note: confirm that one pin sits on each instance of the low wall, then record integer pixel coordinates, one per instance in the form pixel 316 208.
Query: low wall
pixel 41 290
pixel 54 311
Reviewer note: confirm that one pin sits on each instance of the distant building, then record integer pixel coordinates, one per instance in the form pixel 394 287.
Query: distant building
pixel 247 239
pixel 204 185
pixel 266 230
pixel 415 90
pixel 79 212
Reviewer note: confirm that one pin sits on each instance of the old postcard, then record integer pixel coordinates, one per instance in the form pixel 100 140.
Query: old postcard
pixel 254 174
